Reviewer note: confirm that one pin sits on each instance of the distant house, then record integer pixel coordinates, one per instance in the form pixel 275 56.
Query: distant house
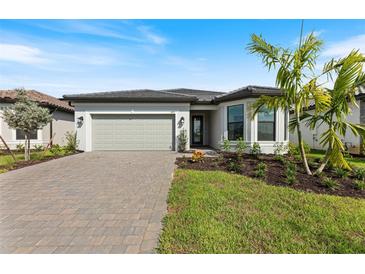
pixel 63 119
pixel 354 144
pixel 153 119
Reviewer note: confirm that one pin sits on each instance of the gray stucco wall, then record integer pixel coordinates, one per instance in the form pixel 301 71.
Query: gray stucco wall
pixel 62 122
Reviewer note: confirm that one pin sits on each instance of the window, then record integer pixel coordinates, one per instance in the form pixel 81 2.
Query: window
pixel 266 125
pixel 286 124
pixel 21 136
pixel 235 122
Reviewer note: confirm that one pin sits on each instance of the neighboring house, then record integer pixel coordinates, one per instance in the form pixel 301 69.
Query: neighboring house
pixel 153 119
pixel 63 120
pixel 354 144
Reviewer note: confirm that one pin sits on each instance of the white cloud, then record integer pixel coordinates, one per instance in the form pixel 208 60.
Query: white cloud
pixel 151 36
pixel 124 30
pixel 342 48
pixel 21 54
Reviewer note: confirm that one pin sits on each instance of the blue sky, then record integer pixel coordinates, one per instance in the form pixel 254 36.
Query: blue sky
pixel 75 56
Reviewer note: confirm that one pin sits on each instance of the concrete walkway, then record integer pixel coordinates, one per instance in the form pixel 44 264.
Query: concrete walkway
pixel 97 202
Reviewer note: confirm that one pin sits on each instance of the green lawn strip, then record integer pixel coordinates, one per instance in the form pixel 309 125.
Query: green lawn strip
pixel 356 162
pixel 217 212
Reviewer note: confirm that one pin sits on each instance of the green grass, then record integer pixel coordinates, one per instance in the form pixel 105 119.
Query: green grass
pixel 218 212
pixel 356 162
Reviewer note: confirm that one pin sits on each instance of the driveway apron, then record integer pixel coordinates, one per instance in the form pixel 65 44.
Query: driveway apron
pixel 94 202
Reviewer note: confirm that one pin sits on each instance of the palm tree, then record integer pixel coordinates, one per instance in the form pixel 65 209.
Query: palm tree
pixel 295 77
pixel 349 76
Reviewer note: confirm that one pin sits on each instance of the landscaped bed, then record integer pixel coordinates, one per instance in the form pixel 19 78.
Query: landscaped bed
pixel 219 212
pixel 7 162
pixel 276 172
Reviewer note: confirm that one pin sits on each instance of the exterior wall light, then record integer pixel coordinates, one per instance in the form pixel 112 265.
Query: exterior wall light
pixel 181 122
pixel 80 121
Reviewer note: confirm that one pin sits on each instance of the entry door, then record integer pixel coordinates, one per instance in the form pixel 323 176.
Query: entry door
pixel 197 126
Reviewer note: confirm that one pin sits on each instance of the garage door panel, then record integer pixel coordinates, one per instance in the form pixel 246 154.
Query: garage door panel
pixel 132 132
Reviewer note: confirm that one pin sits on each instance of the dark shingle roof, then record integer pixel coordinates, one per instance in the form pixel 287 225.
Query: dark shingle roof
pixel 247 92
pixel 203 96
pixel 146 95
pixel 194 96
pixel 9 96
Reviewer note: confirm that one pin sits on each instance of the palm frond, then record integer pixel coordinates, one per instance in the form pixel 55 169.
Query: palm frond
pixel 271 102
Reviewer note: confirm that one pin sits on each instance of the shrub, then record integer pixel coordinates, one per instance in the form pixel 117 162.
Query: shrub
pixel 38 147
pixel 241 146
pixel 359 173
pixel 56 149
pixel 71 142
pixel 256 149
pixel 341 173
pixel 226 145
pixel 330 183
pixel 182 140
pixel 297 158
pixel 360 185
pixel 293 149
pixel 197 156
pixel 20 147
pixel 233 166
pixel 279 149
pixel 260 171
pixel 290 173
pixel 279 158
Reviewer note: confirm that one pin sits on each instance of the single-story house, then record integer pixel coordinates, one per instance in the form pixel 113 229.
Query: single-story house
pixel 153 119
pixel 354 144
pixel 63 120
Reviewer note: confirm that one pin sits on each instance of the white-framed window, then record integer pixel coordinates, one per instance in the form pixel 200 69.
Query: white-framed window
pixel 235 122
pixel 266 124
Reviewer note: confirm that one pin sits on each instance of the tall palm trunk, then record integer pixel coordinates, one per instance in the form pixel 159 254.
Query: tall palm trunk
pixel 327 155
pixel 301 145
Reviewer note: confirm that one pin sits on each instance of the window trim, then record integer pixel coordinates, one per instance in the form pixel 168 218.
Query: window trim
pixel 274 127
pixel 286 124
pixel 243 121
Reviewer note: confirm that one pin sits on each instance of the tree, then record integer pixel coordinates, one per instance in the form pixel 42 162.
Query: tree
pixel 27 116
pixel 295 77
pixel 349 76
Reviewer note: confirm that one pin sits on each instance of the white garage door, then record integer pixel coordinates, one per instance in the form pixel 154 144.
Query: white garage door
pixel 132 132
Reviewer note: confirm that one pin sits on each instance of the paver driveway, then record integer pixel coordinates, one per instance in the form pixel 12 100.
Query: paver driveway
pixel 96 202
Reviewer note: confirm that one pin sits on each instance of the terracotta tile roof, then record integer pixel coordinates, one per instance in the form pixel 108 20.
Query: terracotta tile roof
pixel 42 99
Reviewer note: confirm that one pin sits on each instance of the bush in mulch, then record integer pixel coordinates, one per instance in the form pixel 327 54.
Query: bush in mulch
pixel 283 171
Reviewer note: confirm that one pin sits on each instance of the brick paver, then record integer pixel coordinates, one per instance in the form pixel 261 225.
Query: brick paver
pixel 97 202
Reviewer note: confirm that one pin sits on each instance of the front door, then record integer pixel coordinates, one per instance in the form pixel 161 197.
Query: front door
pixel 197 126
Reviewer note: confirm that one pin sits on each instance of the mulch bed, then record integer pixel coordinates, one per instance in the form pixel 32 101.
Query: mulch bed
pixel 275 173
pixel 22 163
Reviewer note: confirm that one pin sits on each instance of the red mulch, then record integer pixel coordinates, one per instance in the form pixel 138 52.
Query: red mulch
pixel 275 173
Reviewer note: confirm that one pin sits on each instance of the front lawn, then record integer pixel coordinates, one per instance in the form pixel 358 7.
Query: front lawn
pixel 218 212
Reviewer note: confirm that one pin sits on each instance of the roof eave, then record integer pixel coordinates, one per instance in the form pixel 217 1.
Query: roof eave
pixel 43 104
pixel 128 100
